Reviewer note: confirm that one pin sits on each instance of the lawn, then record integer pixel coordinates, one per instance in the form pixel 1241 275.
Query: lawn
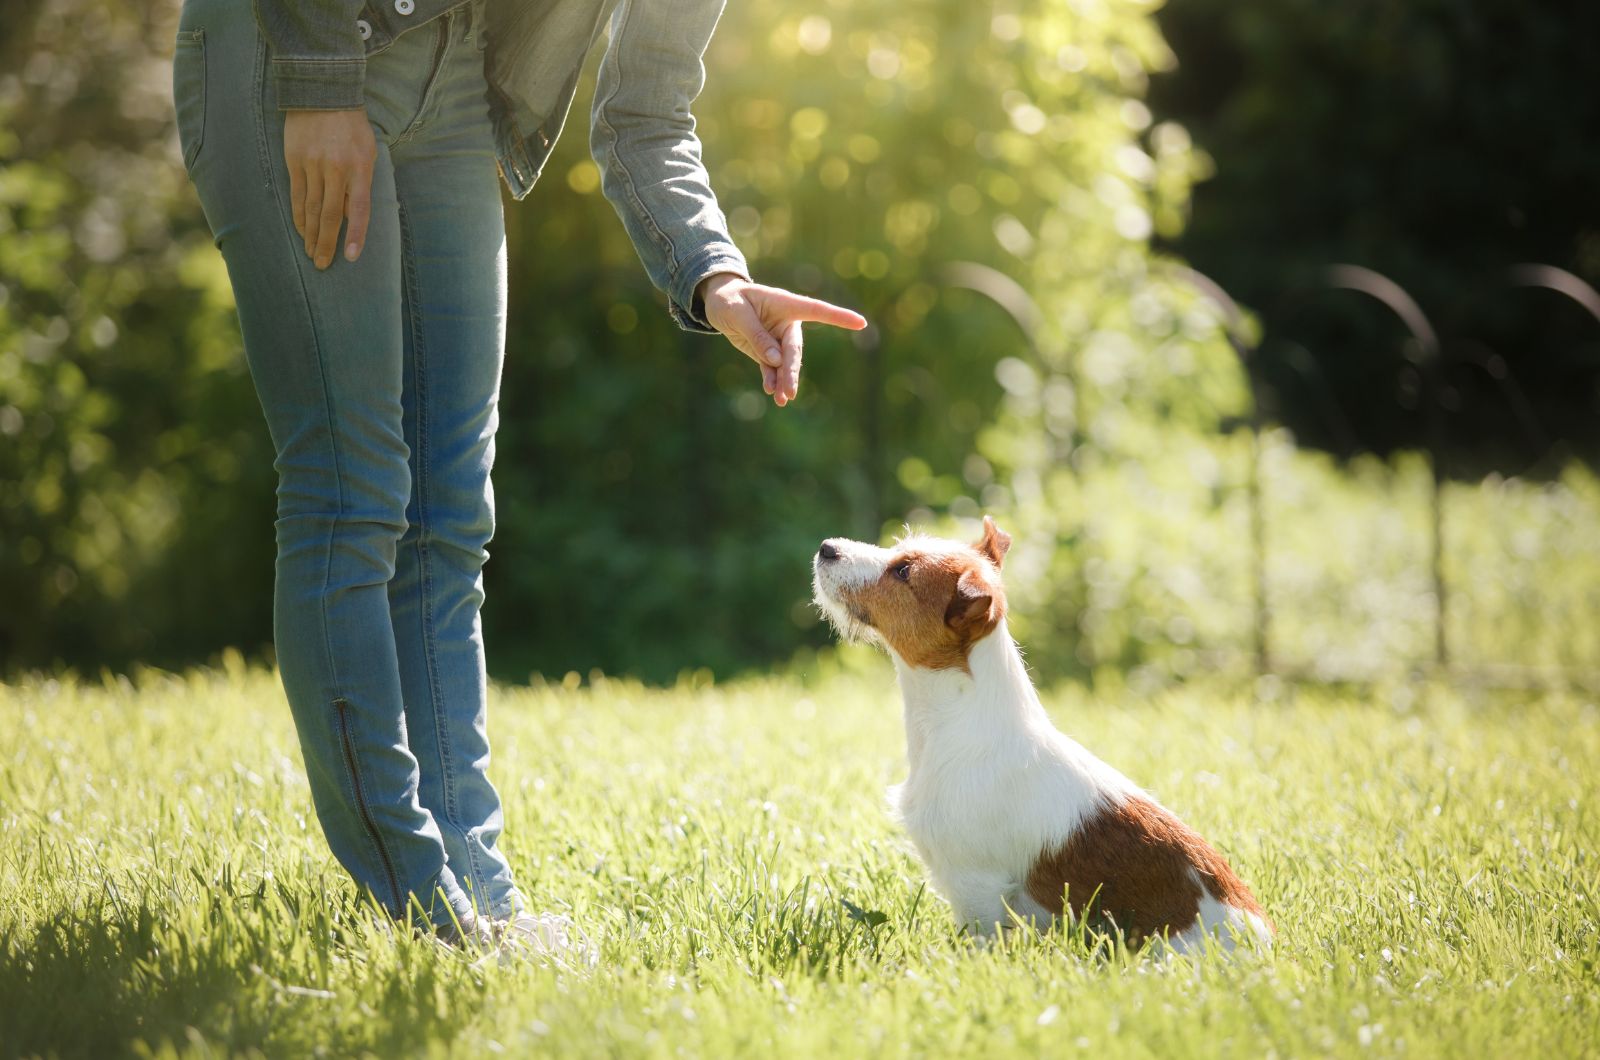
pixel 1430 862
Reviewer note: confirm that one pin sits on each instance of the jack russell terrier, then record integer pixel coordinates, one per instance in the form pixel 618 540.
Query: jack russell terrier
pixel 1016 822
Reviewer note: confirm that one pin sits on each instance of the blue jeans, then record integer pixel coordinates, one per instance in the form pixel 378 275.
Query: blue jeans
pixel 380 381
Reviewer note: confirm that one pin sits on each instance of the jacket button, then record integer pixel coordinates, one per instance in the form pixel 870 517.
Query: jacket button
pixel 405 7
pixel 364 28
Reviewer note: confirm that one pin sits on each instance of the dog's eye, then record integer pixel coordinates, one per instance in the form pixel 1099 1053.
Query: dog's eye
pixel 901 571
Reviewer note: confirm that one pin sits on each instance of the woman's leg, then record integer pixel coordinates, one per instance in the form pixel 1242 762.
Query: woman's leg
pixel 452 236
pixel 326 351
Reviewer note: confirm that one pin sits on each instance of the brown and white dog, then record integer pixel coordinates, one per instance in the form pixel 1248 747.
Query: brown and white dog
pixel 1015 821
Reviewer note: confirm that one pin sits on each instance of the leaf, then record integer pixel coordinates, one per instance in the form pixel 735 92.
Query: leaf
pixel 870 917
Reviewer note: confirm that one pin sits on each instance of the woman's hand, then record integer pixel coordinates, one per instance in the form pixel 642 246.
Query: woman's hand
pixel 330 155
pixel 763 323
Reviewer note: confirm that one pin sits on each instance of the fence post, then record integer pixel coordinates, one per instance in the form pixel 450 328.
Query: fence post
pixel 1391 294
pixel 1244 349
pixel 1015 301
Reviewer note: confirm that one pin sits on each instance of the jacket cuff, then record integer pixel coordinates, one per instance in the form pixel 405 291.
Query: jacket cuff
pixel 685 305
pixel 320 84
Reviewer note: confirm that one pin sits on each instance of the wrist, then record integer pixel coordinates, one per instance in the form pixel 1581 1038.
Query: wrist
pixel 709 286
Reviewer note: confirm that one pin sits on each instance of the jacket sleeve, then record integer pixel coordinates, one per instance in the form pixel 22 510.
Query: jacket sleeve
pixel 644 142
pixel 317 60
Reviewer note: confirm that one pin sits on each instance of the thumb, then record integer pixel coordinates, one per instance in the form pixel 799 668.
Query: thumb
pixel 757 340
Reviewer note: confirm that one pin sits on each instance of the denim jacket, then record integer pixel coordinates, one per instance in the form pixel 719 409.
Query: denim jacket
pixel 641 132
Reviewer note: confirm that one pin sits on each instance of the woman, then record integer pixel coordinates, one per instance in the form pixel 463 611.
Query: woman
pixel 345 156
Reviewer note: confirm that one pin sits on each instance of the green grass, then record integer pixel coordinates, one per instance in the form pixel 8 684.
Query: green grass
pixel 1432 869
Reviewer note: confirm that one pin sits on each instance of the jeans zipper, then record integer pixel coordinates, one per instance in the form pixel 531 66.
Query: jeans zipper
pixel 342 707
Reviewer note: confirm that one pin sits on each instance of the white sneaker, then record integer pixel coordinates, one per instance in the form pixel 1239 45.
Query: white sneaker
pixel 477 934
pixel 545 936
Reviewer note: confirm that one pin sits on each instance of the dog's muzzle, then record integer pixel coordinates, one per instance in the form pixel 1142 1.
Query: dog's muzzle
pixel 835 568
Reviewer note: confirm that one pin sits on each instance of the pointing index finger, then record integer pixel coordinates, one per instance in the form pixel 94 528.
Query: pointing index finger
pixel 799 307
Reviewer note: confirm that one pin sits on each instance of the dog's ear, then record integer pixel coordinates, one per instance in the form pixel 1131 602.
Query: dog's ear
pixel 972 606
pixel 995 542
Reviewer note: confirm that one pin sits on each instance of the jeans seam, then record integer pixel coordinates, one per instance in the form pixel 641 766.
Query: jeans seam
pixel 422 483
pixel 195 37
pixel 340 703
pixel 322 382
pixel 629 185
pixel 352 765
pixel 263 152
pixel 419 358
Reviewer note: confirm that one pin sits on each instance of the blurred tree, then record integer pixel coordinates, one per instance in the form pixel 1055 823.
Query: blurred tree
pixel 135 496
pixel 1439 142
pixel 656 512
pixel 654 500
pixel 983 181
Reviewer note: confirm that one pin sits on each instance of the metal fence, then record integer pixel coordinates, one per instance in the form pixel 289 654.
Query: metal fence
pixel 1425 357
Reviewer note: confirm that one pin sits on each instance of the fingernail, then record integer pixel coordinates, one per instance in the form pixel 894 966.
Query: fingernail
pixel 774 358
pixel 350 251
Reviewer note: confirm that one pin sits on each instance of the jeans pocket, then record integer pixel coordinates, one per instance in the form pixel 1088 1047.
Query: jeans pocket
pixel 189 92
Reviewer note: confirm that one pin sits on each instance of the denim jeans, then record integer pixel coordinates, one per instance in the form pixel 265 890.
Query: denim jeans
pixel 379 380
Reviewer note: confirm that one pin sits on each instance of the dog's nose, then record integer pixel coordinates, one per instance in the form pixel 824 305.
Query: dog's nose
pixel 827 553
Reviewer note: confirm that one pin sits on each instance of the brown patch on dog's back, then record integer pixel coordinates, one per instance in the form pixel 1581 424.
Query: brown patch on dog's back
pixel 947 603
pixel 1138 864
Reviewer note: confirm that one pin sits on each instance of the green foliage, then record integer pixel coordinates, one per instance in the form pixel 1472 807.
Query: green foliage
pixel 1431 871
pixel 134 472
pixel 640 471
pixel 982 182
